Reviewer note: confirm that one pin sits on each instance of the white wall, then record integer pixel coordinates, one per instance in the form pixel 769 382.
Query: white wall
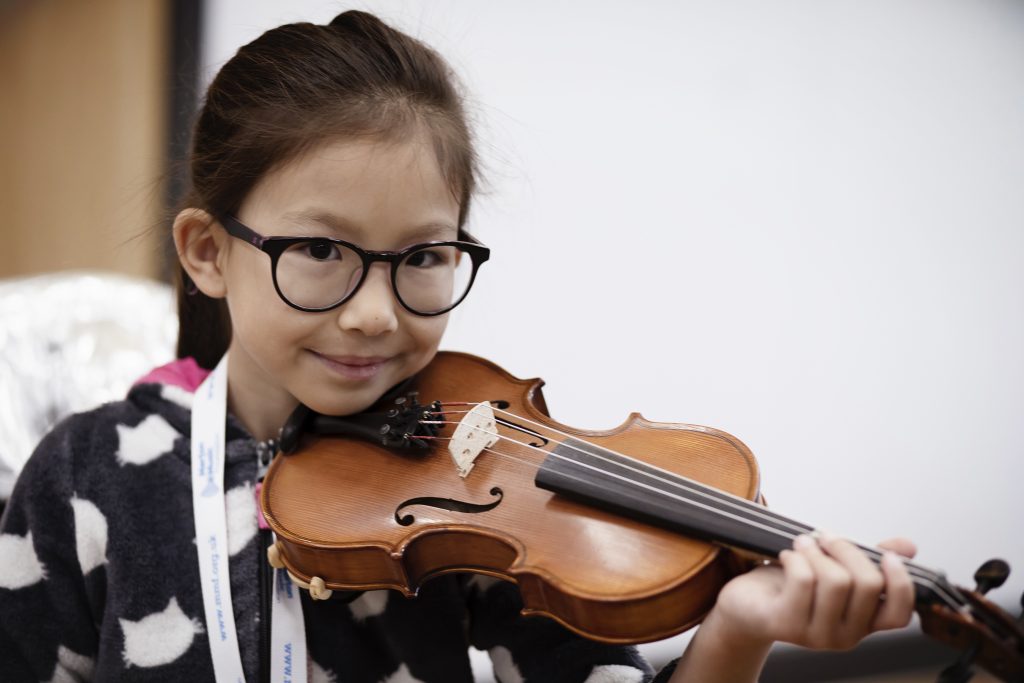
pixel 798 221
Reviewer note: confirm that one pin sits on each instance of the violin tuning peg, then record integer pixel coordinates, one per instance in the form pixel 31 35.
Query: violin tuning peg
pixel 991 574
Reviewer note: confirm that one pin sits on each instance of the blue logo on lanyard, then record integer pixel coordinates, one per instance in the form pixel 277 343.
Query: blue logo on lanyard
pixel 208 469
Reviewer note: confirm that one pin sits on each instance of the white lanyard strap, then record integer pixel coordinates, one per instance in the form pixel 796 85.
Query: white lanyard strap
pixel 209 413
pixel 288 633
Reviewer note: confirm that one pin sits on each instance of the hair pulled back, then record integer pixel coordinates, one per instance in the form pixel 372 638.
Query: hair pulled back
pixel 293 88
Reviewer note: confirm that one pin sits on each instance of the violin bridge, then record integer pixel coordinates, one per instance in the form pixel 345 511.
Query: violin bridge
pixel 476 432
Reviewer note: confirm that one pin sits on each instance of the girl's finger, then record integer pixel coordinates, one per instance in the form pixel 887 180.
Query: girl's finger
pixel 900 546
pixel 831 593
pixel 796 599
pixel 868 582
pixel 898 606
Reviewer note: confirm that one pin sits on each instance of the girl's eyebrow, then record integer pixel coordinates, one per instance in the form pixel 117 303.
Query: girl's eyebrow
pixel 324 218
pixel 430 231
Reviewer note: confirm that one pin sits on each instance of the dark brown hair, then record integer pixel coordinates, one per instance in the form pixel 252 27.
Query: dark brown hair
pixel 297 86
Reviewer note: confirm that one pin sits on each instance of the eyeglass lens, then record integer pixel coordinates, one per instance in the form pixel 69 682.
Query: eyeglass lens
pixel 319 274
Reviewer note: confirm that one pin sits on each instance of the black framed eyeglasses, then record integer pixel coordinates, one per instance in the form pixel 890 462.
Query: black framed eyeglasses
pixel 317 274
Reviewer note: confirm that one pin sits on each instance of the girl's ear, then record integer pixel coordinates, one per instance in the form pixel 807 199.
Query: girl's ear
pixel 202 245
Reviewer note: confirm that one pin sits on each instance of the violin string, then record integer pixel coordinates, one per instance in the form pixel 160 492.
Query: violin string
pixel 693 486
pixel 675 480
pixel 925 576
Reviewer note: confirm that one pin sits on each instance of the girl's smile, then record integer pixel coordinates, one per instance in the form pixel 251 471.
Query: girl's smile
pixel 355 368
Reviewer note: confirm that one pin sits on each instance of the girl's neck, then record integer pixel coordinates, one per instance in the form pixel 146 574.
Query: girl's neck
pixel 259 405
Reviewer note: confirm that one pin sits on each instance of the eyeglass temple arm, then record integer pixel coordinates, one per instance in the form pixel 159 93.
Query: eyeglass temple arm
pixel 243 232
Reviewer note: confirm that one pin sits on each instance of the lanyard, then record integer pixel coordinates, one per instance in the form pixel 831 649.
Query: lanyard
pixel 288 636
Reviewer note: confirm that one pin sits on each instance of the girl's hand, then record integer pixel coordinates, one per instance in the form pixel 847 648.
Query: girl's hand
pixel 823 595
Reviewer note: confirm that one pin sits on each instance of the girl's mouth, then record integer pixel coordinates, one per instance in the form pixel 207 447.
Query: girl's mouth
pixel 354 367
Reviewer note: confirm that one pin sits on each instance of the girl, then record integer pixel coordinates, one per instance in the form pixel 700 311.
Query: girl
pixel 320 147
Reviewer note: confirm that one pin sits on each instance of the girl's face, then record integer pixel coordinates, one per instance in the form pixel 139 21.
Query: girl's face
pixel 376 194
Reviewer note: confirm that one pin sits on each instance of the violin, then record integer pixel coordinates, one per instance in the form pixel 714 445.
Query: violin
pixel 622 536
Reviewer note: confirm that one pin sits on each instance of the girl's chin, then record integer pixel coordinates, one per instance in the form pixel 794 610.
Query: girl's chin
pixel 333 398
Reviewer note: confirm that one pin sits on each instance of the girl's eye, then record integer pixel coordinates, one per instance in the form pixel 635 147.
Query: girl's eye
pixel 322 251
pixel 424 259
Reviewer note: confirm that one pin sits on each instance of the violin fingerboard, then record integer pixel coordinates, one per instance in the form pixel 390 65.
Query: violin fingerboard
pixel 615 483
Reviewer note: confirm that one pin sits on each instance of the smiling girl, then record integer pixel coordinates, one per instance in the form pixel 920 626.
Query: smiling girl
pixel 322 246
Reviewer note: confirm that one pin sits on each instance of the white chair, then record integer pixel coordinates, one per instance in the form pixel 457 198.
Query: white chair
pixel 68 342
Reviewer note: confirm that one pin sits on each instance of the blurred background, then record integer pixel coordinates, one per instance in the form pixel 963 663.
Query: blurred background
pixel 797 221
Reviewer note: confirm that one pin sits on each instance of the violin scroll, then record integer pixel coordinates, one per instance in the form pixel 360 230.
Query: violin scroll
pixel 982 632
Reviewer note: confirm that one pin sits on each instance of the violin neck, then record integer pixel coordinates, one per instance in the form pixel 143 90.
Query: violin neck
pixel 613 482
pixel 625 486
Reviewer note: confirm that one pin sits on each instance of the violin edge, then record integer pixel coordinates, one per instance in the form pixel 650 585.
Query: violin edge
pixel 623 619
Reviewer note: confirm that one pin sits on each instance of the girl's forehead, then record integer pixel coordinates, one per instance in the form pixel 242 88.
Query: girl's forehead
pixel 357 188
pixel 375 163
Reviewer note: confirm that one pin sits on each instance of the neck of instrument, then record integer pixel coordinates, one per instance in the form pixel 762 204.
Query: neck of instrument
pixel 619 484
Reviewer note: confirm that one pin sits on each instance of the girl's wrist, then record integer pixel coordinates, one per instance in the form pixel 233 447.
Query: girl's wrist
pixel 722 652
pixel 726 633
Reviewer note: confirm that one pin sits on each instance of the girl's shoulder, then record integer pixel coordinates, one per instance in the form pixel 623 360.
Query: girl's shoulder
pixel 149 424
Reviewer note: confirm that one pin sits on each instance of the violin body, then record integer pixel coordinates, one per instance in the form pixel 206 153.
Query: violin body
pixel 333 503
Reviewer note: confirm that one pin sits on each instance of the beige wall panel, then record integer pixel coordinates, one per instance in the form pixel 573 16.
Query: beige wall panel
pixel 81 134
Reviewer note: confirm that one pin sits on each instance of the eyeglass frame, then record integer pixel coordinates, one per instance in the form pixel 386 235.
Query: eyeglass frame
pixel 274 246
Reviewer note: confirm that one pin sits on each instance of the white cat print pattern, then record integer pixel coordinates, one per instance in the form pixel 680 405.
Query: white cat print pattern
pixel 19 564
pixel 145 442
pixel 159 638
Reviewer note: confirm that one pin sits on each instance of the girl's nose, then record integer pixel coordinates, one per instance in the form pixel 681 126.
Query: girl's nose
pixel 373 309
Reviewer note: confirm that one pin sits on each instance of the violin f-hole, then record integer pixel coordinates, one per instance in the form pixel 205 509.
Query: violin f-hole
pixel 447 504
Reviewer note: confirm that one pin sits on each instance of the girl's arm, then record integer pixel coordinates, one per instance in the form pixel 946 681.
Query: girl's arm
pixel 822 595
